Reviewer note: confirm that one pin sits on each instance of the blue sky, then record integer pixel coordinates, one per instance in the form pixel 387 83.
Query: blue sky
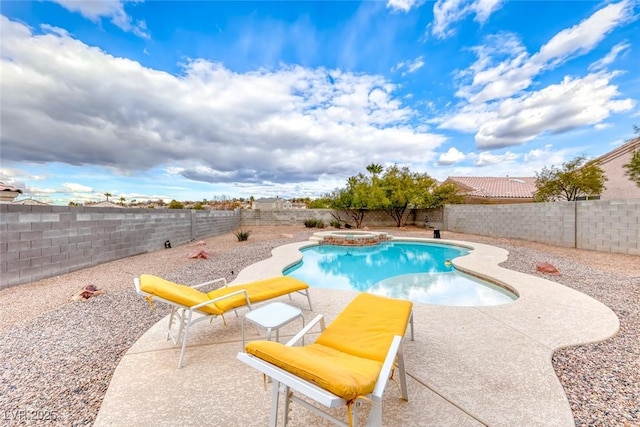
pixel 198 100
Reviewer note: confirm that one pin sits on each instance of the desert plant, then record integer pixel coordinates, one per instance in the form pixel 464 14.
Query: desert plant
pixel 335 223
pixel 242 235
pixel 319 223
pixel 311 223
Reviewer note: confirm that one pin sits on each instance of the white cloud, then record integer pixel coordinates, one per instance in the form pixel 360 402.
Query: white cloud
pixel 557 108
pixel 488 159
pixel 409 66
pixel 453 155
pixel 70 187
pixel 610 57
pixel 448 12
pixel 404 5
pixel 515 70
pixel 501 113
pixel 114 9
pixel 602 126
pixel 64 101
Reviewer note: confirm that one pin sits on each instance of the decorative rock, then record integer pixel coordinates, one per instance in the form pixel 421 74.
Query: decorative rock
pixel 201 254
pixel 87 292
pixel 545 267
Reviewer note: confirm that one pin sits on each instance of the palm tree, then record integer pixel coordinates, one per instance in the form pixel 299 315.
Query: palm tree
pixel 107 195
pixel 122 200
pixel 374 169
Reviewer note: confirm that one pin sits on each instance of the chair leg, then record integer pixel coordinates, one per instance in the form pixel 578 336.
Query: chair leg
pixel 287 400
pixel 275 397
pixel 184 339
pixel 403 374
pixel 411 323
pixel 375 416
pixel 309 300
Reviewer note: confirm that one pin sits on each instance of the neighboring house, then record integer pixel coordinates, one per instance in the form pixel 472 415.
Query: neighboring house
pixel 103 204
pixel 272 203
pixel 30 201
pixel 618 185
pixel 493 190
pixel 8 193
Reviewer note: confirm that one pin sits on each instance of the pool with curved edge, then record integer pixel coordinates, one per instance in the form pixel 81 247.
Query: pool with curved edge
pixel 417 271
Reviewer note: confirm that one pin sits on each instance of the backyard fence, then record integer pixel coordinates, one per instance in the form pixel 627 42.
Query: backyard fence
pixel 599 225
pixel 37 242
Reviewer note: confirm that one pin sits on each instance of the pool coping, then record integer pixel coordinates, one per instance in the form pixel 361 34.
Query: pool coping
pixel 468 365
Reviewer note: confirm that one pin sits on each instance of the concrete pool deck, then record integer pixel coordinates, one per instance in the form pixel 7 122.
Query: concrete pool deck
pixel 467 365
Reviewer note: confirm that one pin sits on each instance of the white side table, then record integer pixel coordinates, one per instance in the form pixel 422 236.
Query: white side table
pixel 271 317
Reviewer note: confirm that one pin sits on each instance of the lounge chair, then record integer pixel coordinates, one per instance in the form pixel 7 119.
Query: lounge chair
pixel 191 305
pixel 350 361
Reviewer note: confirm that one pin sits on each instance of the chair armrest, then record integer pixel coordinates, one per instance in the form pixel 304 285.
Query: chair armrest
pixel 303 331
pixel 211 282
pixel 387 366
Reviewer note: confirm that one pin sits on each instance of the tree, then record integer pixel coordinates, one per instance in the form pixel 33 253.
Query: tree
pixel 375 169
pixel 320 203
pixel 107 195
pixel 354 200
pixel 405 190
pixel 174 204
pixel 633 168
pixel 443 194
pixel 122 200
pixel 576 178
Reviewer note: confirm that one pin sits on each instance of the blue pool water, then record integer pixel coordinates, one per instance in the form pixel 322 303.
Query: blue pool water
pixel 408 270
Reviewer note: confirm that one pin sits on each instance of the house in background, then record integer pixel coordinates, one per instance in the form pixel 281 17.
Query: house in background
pixel 494 190
pixel 103 204
pixel 30 201
pixel 272 203
pixel 8 193
pixel 618 184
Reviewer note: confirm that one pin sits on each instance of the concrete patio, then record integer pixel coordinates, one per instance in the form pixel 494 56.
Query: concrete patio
pixel 467 365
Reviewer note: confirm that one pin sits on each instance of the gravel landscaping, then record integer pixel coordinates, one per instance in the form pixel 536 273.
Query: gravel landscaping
pixel 58 356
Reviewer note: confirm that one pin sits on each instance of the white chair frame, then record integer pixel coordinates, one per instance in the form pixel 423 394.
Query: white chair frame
pixel 285 383
pixel 184 315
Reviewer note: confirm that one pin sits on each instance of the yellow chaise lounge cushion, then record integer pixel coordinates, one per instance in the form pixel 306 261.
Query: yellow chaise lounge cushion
pixel 366 327
pixel 184 295
pixel 347 357
pixel 340 373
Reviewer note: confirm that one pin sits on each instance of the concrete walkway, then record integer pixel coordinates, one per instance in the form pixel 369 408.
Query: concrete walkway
pixel 467 366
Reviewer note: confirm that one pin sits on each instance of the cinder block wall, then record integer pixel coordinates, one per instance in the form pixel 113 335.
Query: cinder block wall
pixel 43 241
pixel 607 226
pixel 371 219
pixel 257 217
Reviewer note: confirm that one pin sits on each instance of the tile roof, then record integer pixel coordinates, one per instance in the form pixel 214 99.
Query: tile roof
pixel 497 187
pixel 5 187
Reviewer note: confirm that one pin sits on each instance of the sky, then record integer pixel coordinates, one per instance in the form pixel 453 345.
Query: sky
pixel 194 100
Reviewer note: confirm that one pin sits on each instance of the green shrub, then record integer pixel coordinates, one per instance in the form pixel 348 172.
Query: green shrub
pixel 311 223
pixel 242 235
pixel 336 224
pixel 319 223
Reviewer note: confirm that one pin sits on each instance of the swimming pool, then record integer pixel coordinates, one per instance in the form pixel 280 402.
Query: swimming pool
pixel 420 272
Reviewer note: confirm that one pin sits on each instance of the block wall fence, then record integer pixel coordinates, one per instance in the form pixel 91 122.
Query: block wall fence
pixel 37 242
pixel 599 225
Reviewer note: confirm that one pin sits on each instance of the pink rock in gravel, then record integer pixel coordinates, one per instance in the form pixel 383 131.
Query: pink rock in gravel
pixel 201 243
pixel 201 254
pixel 545 267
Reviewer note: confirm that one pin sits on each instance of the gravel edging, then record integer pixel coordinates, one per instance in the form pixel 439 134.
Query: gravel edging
pixel 61 361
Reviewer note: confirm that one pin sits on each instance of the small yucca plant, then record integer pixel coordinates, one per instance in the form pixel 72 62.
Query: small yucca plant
pixel 242 235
